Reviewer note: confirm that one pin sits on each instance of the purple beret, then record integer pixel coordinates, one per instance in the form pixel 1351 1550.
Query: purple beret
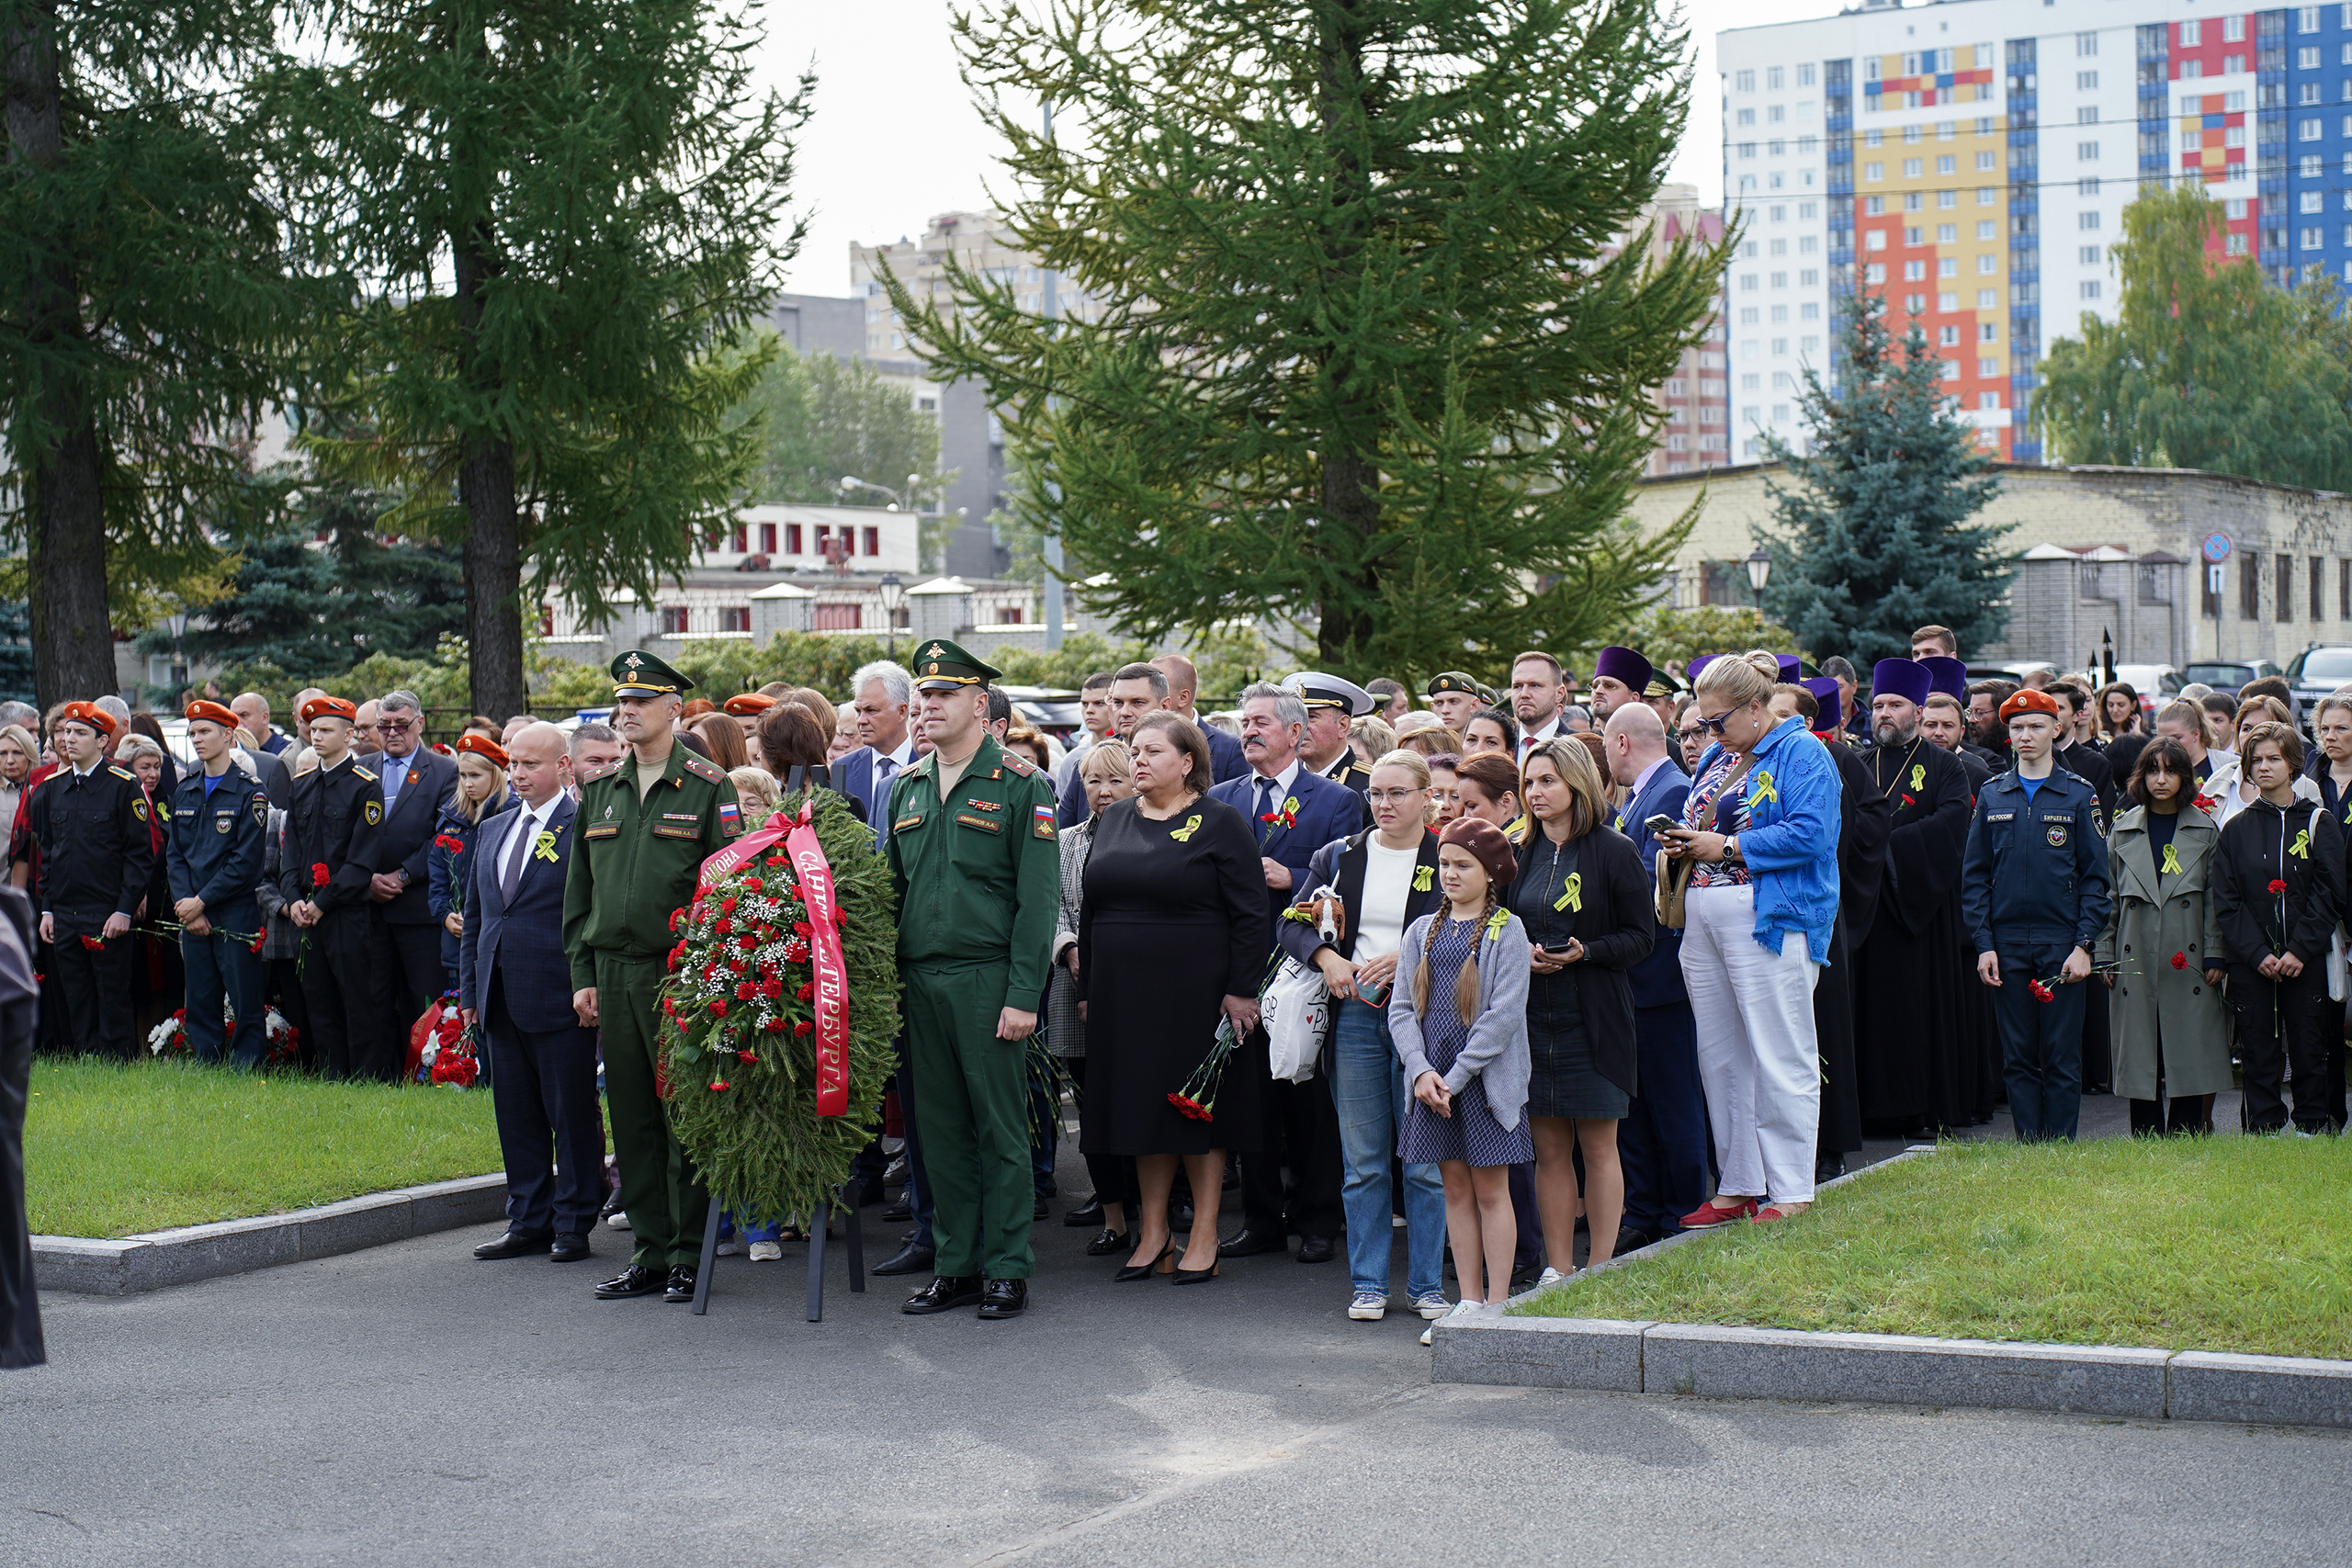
pixel 1905 678
pixel 1623 664
pixel 1792 670
pixel 1948 676
pixel 1690 671
pixel 1825 691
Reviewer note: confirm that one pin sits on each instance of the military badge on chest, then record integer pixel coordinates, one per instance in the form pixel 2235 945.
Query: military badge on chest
pixel 2056 833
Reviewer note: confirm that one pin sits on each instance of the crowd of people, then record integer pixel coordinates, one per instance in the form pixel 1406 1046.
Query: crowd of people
pixel 1617 958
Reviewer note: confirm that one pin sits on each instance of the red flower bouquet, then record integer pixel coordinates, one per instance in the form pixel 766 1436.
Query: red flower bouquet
pixel 1197 1098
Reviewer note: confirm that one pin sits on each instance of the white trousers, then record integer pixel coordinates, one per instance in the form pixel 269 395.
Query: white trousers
pixel 1758 1055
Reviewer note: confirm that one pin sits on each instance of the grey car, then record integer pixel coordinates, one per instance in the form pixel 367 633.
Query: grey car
pixel 2314 673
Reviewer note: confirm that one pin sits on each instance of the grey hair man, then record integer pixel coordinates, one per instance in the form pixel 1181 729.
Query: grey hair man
pixel 118 710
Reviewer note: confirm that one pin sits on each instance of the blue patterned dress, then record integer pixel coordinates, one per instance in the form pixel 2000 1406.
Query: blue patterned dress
pixel 1472 1134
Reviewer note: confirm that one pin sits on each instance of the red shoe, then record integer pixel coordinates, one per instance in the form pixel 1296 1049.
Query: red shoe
pixel 1766 1215
pixel 1707 1214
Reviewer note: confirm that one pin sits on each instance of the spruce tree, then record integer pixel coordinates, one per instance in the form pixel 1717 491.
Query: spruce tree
pixel 1371 353
pixel 147 315
pixel 568 213
pixel 1875 540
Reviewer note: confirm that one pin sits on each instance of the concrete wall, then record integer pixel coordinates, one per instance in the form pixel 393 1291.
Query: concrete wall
pixel 2154 517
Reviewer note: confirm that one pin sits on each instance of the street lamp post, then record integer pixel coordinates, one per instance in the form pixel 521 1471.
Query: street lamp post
pixel 893 593
pixel 1760 571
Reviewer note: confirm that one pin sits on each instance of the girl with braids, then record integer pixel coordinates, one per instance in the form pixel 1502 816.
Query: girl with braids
pixel 1458 1015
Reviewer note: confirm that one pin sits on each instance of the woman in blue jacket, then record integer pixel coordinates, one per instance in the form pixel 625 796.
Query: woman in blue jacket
pixel 1760 831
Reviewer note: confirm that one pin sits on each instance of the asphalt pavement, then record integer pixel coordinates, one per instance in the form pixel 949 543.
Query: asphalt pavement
pixel 409 1405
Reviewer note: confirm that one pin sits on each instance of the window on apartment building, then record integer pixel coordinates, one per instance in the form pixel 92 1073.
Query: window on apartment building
pixel 869 541
pixel 2307 20
pixel 839 617
pixel 547 620
pixel 1911 168
pixel 2090 289
pixel 2286 594
pixel 2250 586
pixel 2085 44
pixel 1775 79
pixel 2306 60
pixel 2192 34
pixel 2087 81
pixel 1804 75
pixel 735 617
pixel 2319 589
pixel 740 540
pixel 2344 589
pixel 792 539
pixel 2089 219
pixel 673 619
pixel 1745 81
pixel 768 538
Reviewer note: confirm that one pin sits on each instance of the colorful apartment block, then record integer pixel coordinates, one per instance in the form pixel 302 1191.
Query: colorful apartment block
pixel 1973 159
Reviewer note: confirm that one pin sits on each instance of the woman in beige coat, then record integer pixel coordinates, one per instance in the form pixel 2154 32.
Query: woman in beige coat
pixel 2169 1024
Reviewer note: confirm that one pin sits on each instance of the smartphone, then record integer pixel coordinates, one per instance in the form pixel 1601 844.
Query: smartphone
pixel 1661 823
pixel 1373 996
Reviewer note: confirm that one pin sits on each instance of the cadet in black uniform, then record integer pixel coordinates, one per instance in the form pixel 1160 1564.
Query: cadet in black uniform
pixel 90 818
pixel 330 823
pixel 219 829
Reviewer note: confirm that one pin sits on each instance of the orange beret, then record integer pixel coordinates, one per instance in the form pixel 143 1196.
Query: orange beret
pixel 2031 701
pixel 329 708
pixel 747 704
pixel 91 714
pixel 482 746
pixel 211 712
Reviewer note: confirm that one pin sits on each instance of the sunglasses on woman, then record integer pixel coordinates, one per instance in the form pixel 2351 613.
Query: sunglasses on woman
pixel 1715 726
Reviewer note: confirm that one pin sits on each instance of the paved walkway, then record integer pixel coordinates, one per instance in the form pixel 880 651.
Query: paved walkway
pixel 411 1406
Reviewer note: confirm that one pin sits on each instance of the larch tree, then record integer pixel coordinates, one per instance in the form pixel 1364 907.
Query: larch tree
pixel 1375 324
pixel 568 214
pixel 1874 538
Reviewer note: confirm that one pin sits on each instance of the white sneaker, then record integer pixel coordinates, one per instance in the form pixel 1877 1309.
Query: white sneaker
pixel 617 1218
pixel 731 1247
pixel 766 1251
pixel 1369 1307
pixel 1551 1277
pixel 1431 1304
pixel 1462 1310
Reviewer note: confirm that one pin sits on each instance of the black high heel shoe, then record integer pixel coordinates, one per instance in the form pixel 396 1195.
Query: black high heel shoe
pixel 1159 1264
pixel 1194 1275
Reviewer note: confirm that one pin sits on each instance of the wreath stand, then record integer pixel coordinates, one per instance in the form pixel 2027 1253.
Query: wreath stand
pixel 855 1234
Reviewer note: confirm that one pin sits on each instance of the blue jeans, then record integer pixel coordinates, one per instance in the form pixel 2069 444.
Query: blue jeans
pixel 1368 1089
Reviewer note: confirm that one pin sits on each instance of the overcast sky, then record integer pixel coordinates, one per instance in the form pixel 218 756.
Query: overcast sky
pixel 895 138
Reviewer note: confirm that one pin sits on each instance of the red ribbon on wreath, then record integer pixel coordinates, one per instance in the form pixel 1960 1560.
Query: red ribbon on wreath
pixel 831 999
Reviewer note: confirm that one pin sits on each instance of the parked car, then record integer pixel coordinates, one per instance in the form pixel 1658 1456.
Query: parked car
pixel 2228 676
pixel 2013 673
pixel 2156 684
pixel 2315 672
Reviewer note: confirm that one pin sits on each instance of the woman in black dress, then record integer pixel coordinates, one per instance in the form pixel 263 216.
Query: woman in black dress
pixel 1172 935
pixel 1586 902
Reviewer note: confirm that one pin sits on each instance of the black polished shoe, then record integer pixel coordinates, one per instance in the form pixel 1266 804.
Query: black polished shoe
pixel 904 1209
pixel 943 1294
pixel 633 1280
pixel 912 1259
pixel 570 1249
pixel 1314 1249
pixel 1111 1241
pixel 681 1284
pixel 1089 1213
pixel 1633 1238
pixel 1041 1210
pixel 1249 1243
pixel 1003 1298
pixel 513 1244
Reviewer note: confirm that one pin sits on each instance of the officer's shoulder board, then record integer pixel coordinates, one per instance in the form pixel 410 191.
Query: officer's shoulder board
pixel 118 771
pixel 600 775
pixel 708 772
pixel 1020 767
pixel 362 774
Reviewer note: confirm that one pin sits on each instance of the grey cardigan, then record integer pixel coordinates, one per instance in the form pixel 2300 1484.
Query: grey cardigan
pixel 1495 1052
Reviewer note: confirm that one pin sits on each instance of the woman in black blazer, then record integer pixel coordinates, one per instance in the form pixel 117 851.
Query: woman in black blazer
pixel 1586 901
pixel 1395 861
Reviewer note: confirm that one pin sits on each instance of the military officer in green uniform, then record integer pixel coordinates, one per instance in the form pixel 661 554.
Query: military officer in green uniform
pixel 978 871
pixel 644 830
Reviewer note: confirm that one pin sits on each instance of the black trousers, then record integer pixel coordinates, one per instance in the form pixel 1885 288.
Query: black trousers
pixel 1113 1176
pixel 405 974
pixel 551 1130
pixel 1298 1127
pixel 2284 1027
pixel 344 1033
pixel 93 991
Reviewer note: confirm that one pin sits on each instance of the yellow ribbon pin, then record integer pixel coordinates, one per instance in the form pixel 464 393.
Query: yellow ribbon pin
pixel 1919 775
pixel 2301 847
pixel 1420 879
pixel 1184 835
pixel 2171 865
pixel 1572 895
pixel 1495 923
pixel 1290 806
pixel 544 846
pixel 1760 788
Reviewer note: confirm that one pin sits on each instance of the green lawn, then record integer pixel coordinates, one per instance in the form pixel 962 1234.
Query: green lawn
pixel 2209 1244
pixel 112 1151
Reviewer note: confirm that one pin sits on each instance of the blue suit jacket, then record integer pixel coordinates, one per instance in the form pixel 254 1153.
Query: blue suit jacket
pixel 521 944
pixel 1327 810
pixel 854 776
pixel 1657 979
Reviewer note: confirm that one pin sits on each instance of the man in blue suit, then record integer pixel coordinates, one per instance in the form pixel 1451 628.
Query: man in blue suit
pixel 881 693
pixel 514 982
pixel 1225 758
pixel 1294 811
pixel 1663 1140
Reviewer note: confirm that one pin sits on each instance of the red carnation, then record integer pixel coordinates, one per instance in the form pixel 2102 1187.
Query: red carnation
pixel 724 926
pixel 747 1056
pixel 719 1006
pixel 776 1026
pixel 257 942
pixel 727 906
pixel 747 943
pixel 772 989
pixel 2180 961
pixel 806 991
pixel 747 990
pixel 94 943
pixel 803 1027
pixel 2041 992
pixel 320 875
pixel 1190 1107
pixel 674 916
pixel 2276 886
pixel 776 860
pixel 720 1086
pixel 802 927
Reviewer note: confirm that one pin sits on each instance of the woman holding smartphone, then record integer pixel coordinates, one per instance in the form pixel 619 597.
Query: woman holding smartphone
pixel 1386 879
pixel 1586 902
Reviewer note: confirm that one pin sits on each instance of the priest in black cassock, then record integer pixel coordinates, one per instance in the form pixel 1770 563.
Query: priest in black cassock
pixel 1862 847
pixel 1916 1050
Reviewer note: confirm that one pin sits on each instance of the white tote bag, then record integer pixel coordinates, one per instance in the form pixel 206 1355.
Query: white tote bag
pixel 1295 1007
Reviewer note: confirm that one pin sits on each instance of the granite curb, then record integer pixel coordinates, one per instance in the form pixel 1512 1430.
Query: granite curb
pixel 1716 1362
pixel 156 1261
